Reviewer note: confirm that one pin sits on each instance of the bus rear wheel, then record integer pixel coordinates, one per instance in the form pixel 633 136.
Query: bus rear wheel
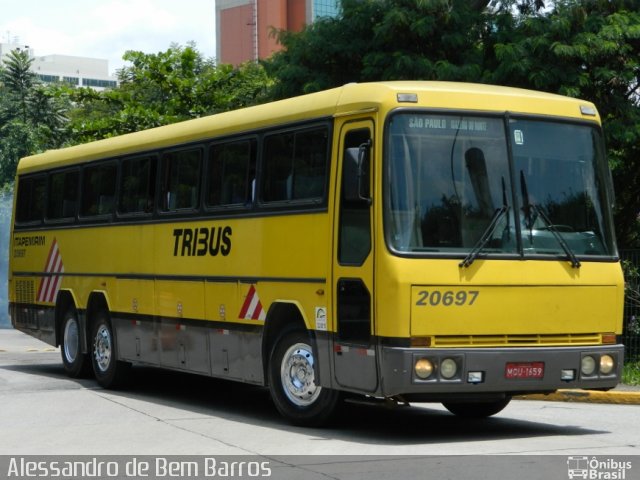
pixel 477 409
pixel 76 364
pixel 292 382
pixel 109 372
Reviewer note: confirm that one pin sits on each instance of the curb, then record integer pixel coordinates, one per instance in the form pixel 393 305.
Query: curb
pixel 588 396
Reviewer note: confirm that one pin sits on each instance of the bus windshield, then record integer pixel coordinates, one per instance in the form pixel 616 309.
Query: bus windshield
pixel 506 186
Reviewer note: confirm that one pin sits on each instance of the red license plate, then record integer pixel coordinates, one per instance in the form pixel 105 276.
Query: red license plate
pixel 524 370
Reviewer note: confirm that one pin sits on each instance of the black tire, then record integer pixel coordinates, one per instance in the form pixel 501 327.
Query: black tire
pixel 109 372
pixel 477 409
pixel 76 364
pixel 294 393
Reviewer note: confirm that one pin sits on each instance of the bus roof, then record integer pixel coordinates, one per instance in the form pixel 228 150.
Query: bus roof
pixel 350 98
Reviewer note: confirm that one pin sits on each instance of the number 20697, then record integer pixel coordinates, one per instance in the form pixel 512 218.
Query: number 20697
pixel 446 298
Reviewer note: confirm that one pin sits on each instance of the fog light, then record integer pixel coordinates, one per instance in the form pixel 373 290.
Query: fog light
pixel 588 366
pixel 448 368
pixel 475 377
pixel 424 368
pixel 567 375
pixel 607 364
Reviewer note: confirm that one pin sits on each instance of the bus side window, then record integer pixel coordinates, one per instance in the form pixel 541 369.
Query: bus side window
pixel 181 180
pixel 63 195
pixel 310 164
pixel 355 224
pixel 295 166
pixel 231 174
pixel 137 185
pixel 278 167
pixel 98 190
pixel 31 199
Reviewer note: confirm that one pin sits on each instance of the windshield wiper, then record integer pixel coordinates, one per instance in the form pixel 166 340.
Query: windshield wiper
pixel 529 221
pixel 575 263
pixel 484 239
pixel 486 236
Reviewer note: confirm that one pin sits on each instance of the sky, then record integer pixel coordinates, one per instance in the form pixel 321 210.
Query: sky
pixel 108 28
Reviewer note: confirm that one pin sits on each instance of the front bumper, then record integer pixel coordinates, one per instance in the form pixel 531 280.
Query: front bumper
pixel 483 371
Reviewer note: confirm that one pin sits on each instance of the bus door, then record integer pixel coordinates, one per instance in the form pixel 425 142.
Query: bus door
pixel 354 349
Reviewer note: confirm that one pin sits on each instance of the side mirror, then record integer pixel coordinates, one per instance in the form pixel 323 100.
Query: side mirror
pixel 356 173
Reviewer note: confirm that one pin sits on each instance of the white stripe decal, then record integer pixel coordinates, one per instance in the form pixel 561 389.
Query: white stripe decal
pixel 50 284
pixel 252 307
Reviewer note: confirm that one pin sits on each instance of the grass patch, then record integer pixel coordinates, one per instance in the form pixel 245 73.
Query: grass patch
pixel 631 374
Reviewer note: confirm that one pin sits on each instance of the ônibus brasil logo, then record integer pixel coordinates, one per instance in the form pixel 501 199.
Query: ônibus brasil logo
pixel 597 469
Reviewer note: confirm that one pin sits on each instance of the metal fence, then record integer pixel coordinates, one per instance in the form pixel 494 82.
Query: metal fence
pixel 631 329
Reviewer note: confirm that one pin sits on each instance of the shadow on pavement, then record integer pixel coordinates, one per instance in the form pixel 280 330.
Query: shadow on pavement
pixel 376 425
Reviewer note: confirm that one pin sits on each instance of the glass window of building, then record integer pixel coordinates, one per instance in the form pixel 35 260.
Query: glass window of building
pixel 326 8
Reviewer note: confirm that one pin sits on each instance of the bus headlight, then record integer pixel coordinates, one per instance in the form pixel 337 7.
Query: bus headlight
pixel 423 368
pixel 448 368
pixel 588 366
pixel 607 364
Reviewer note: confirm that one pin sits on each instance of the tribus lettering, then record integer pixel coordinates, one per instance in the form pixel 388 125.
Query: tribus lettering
pixel 191 242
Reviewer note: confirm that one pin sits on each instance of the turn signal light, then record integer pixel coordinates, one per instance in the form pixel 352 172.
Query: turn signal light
pixel 420 341
pixel 607 364
pixel 423 368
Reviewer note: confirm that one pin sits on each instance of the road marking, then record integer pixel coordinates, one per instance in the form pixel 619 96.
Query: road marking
pixel 24 349
pixel 588 396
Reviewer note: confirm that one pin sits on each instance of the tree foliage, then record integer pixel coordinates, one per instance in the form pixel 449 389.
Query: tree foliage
pixel 376 40
pixel 381 40
pixel 32 116
pixel 163 88
pixel 154 89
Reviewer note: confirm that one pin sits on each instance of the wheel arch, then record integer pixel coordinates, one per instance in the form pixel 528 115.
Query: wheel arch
pixel 98 300
pixel 282 316
pixel 66 299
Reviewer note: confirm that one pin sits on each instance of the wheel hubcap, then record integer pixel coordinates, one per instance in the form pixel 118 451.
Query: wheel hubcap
pixel 71 340
pixel 298 378
pixel 102 348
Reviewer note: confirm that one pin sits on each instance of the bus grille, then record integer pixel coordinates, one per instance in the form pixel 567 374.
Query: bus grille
pixel 517 340
pixel 25 291
pixel 25 315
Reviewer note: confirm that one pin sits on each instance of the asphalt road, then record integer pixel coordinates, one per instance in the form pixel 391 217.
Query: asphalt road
pixel 42 412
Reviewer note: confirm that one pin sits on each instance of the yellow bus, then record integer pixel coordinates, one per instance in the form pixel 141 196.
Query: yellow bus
pixel 400 242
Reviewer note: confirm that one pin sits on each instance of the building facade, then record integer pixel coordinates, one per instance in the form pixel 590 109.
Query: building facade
pixel 245 28
pixel 77 71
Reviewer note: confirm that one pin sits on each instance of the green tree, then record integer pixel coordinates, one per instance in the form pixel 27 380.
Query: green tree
pixel 18 81
pixel 15 83
pixel 382 40
pixel 32 116
pixel 376 40
pixel 163 88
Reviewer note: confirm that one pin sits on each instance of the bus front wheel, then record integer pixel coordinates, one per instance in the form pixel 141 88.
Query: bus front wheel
pixel 76 364
pixel 109 372
pixel 477 409
pixel 292 382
